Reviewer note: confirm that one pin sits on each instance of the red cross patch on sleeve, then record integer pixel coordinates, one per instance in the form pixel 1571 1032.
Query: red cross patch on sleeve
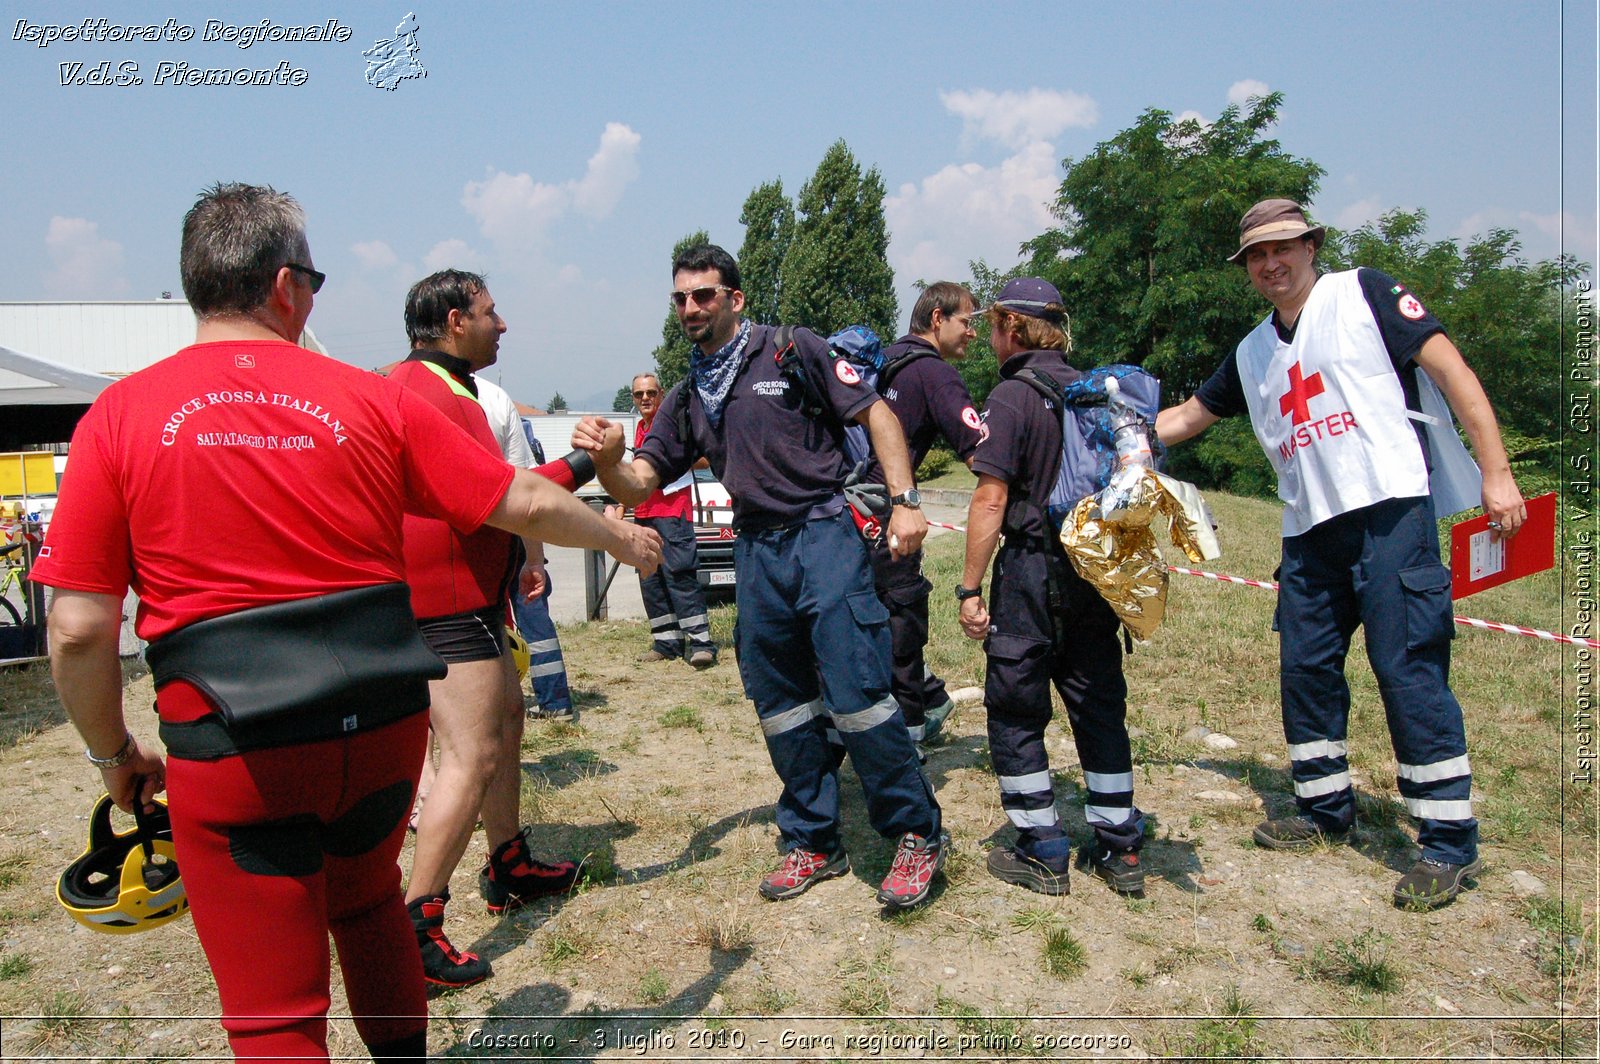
pixel 1411 307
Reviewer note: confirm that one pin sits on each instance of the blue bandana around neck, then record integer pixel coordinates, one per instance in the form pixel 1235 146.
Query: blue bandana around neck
pixel 713 374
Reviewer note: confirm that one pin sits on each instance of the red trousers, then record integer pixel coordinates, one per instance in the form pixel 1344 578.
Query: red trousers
pixel 281 847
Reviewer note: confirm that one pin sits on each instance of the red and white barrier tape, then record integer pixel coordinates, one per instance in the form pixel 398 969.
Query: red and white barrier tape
pixel 1466 622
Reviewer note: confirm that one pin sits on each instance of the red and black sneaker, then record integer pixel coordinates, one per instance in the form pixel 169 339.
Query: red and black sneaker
pixel 514 876
pixel 916 861
pixel 442 963
pixel 801 870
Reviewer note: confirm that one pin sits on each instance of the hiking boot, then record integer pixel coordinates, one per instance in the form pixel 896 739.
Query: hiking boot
pixel 1431 883
pixel 703 659
pixel 933 720
pixel 514 877
pixel 1298 832
pixel 1013 866
pixel 653 655
pixel 1120 868
pixel 442 963
pixel 801 870
pixel 916 861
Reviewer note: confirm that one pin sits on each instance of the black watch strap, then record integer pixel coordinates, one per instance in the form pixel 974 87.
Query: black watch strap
pixel 964 593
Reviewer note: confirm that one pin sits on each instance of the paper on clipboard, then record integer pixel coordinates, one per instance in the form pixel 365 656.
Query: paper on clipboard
pixel 1479 562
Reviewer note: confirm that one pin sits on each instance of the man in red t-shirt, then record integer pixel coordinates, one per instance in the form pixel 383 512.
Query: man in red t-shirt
pixel 672 597
pixel 251 492
pixel 459 582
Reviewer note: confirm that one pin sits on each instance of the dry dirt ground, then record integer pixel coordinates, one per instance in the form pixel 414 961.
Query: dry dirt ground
pixel 666 951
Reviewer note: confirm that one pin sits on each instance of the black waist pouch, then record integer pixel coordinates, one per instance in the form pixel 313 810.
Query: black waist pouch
pixel 296 672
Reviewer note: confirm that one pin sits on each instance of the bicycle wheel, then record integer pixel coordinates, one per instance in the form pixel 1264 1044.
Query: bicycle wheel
pixel 8 613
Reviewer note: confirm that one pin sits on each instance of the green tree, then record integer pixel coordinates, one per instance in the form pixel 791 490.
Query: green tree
pixel 1147 221
pixel 672 353
pixel 557 403
pixel 622 402
pixel 836 271
pixel 768 220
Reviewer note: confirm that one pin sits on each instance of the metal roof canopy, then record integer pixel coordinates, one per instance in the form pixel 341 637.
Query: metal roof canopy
pixel 56 357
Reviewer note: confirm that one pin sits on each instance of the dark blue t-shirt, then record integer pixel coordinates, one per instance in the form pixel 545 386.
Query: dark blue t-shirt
pixel 930 399
pixel 1023 445
pixel 779 465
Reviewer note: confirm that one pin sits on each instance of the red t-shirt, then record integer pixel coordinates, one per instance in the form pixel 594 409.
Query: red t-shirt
pixel 679 503
pixel 243 473
pixel 451 571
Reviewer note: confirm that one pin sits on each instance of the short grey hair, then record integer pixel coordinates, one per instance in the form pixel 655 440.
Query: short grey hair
pixel 235 240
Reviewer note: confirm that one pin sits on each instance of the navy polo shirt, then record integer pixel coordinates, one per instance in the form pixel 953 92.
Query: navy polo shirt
pixel 1023 447
pixel 780 466
pixel 930 399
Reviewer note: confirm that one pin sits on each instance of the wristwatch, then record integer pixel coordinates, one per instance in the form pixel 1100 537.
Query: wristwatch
pixel 912 499
pixel 964 593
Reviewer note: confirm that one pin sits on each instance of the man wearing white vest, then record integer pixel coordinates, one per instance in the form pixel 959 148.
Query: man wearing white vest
pixel 1330 383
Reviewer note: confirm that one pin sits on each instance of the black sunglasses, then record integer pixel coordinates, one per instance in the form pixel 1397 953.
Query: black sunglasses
pixel 646 393
pixel 314 277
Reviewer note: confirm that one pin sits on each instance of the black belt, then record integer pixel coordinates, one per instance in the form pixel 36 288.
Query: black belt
pixel 295 672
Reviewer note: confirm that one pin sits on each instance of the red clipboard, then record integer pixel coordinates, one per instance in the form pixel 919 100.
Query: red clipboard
pixel 1476 564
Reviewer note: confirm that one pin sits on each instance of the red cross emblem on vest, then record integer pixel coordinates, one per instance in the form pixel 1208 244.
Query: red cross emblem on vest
pixel 1301 391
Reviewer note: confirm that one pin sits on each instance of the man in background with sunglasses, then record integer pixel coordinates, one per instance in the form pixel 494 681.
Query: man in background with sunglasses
pixel 813 639
pixel 672 597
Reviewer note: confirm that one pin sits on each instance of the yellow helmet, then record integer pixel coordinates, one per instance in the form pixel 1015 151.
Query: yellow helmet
pixel 128 881
pixel 520 654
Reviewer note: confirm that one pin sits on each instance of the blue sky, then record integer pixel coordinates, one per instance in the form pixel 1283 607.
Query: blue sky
pixel 563 148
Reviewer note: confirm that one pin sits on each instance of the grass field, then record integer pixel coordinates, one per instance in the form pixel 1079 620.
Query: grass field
pixel 664 789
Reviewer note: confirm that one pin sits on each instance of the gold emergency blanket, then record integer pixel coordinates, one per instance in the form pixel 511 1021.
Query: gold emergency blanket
pixel 1118 555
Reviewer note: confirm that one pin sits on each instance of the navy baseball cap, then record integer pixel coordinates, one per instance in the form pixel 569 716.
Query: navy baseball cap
pixel 1032 297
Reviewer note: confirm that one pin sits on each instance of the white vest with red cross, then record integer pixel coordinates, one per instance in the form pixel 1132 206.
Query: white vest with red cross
pixel 1329 410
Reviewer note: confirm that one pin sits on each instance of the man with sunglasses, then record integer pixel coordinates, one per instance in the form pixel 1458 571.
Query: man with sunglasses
pixel 672 597
pixel 813 639
pixel 252 492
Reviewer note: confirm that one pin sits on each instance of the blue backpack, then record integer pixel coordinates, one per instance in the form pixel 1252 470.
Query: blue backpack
pixel 861 348
pixel 1088 427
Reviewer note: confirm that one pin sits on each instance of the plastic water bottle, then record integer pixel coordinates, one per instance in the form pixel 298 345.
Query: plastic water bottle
pixel 1129 432
pixel 1131 436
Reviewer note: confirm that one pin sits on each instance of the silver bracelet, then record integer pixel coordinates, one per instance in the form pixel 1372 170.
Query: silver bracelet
pixel 117 759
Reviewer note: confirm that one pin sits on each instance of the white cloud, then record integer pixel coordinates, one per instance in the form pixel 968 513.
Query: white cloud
pixel 1543 236
pixel 87 265
pixel 611 170
pixel 969 211
pixel 1240 92
pixel 569 274
pixel 1357 214
pixel 453 253
pixel 375 255
pixel 1016 119
pixel 514 209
